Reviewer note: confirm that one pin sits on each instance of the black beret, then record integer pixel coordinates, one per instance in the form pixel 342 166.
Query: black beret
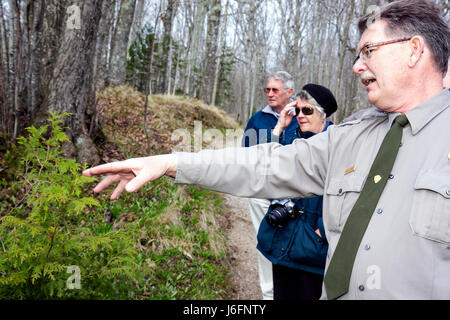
pixel 323 96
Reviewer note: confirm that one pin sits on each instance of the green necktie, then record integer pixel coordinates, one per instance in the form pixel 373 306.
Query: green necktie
pixel 337 277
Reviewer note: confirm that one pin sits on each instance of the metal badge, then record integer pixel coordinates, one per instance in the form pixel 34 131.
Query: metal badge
pixel 351 169
pixel 377 178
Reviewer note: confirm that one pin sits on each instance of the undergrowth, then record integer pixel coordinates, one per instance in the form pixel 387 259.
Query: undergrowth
pixel 60 241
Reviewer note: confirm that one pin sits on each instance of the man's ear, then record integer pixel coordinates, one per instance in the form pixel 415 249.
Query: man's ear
pixel 417 46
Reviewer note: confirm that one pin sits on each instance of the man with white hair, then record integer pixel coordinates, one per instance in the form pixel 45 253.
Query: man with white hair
pixel 279 91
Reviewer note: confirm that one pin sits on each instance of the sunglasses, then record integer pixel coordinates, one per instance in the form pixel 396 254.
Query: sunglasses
pixel 274 90
pixel 307 111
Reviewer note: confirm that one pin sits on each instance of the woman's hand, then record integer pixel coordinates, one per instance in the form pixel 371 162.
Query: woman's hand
pixel 285 118
pixel 133 173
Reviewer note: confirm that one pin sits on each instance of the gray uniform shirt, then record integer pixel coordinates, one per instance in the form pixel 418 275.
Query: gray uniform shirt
pixel 405 252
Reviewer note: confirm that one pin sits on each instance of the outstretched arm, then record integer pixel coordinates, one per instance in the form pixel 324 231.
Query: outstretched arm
pixel 268 170
pixel 132 174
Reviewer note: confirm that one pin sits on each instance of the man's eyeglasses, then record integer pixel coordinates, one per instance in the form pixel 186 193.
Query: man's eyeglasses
pixel 307 111
pixel 274 90
pixel 367 50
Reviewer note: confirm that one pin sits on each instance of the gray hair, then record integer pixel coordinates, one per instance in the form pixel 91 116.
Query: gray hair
pixel 415 17
pixel 304 95
pixel 286 79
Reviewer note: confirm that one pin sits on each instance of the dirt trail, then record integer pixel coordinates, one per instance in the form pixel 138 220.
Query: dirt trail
pixel 244 253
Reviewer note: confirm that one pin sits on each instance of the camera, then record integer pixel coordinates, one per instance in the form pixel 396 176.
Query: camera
pixel 281 211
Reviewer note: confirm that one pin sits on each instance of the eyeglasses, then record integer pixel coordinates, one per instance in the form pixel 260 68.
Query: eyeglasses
pixel 274 90
pixel 367 50
pixel 307 111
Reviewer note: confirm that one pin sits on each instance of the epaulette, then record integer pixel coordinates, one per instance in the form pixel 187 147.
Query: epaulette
pixel 362 115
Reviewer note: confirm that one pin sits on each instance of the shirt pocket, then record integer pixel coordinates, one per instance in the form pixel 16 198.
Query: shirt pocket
pixel 430 211
pixel 342 193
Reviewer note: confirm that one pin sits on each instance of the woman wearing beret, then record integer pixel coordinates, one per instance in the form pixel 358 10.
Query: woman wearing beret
pixel 292 235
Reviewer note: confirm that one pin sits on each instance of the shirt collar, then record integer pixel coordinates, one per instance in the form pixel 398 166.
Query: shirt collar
pixel 421 115
pixel 269 110
pixel 308 134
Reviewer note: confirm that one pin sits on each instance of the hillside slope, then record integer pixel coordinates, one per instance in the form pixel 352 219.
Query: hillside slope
pixel 121 115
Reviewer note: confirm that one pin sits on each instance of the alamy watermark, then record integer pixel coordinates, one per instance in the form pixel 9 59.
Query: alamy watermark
pixel 74 281
pixel 222 140
pixel 74 18
pixel 374 279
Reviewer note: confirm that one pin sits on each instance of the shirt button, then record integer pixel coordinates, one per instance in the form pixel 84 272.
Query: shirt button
pixel 361 288
pixel 379 211
pixel 391 176
pixel 448 192
pixel 367 247
pixel 401 144
pixel 340 190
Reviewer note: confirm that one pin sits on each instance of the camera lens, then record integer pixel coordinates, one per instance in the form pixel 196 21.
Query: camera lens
pixel 279 214
pixel 278 217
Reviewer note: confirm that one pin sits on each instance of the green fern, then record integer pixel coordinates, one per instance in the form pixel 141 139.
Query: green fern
pixel 42 238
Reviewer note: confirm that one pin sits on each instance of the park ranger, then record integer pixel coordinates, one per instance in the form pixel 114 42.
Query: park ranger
pixel 385 178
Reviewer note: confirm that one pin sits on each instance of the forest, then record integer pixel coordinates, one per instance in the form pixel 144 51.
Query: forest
pixel 59 57
pixel 55 54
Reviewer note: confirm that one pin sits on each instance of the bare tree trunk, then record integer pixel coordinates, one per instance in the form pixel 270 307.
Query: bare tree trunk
pixel 15 60
pixel 297 39
pixel 168 77
pixel 70 88
pixel 5 84
pixel 195 43
pixel 344 45
pixel 177 76
pixel 252 94
pixel 188 26
pixel 26 26
pixel 54 13
pixel 148 89
pixel 4 44
pixel 152 49
pixel 4 110
pixel 119 50
pixel 36 33
pixel 251 19
pixel 219 54
pixel 168 18
pixel 312 53
pixel 210 51
pixel 100 62
pixel 138 19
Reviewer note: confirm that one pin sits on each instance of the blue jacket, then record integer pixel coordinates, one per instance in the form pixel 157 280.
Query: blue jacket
pixel 297 245
pixel 259 129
